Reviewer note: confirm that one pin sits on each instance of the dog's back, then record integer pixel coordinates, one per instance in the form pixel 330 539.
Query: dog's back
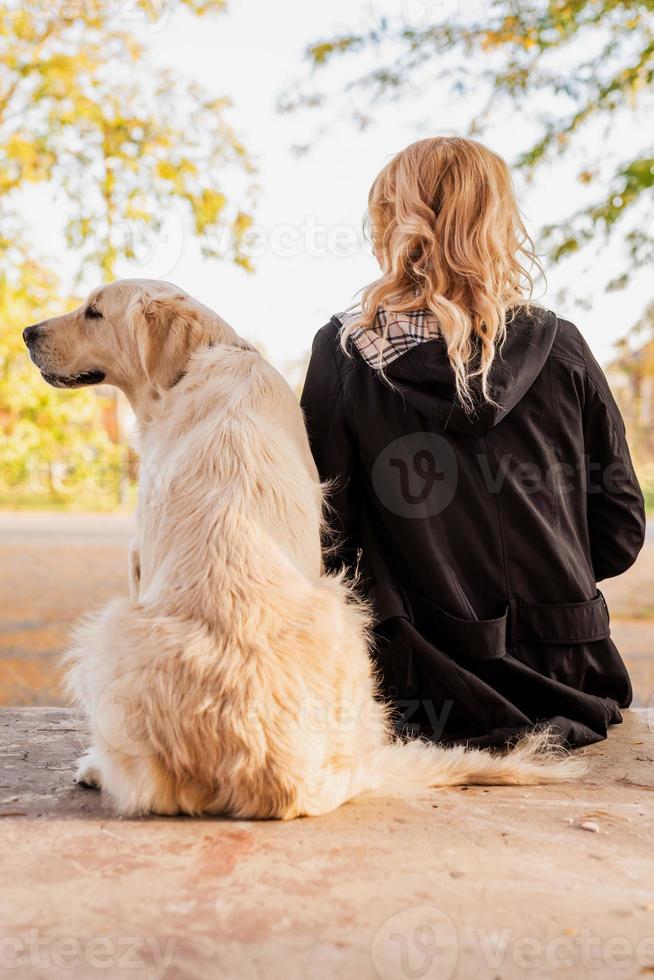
pixel 228 685
pixel 238 680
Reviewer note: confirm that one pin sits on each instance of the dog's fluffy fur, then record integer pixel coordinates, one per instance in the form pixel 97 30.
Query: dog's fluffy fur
pixel 236 678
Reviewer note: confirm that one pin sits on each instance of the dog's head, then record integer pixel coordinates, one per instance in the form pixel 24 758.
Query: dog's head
pixel 134 333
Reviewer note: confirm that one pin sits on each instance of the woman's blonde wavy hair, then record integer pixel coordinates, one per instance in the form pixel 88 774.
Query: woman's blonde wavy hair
pixel 449 237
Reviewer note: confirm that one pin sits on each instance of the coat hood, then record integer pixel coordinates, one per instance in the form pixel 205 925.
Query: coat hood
pixel 425 379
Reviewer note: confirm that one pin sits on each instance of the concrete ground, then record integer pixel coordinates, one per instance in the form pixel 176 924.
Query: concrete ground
pixel 54 567
pixel 463 883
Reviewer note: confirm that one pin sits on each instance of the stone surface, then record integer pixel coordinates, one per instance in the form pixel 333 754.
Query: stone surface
pixel 464 883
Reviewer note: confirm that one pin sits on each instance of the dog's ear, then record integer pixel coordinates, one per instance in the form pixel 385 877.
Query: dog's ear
pixel 168 330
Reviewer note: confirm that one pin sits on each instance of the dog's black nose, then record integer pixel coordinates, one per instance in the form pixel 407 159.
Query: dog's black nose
pixel 29 334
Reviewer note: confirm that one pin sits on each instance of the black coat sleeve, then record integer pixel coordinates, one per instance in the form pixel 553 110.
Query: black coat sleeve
pixel 334 449
pixel 616 512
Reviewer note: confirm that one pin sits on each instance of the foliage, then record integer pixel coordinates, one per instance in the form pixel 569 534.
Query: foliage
pixel 570 65
pixel 632 375
pixel 118 143
pixel 52 443
pixel 118 140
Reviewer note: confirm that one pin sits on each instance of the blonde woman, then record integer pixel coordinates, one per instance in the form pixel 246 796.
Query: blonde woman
pixel 480 480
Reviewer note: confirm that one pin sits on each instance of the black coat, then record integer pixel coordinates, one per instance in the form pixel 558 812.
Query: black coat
pixel 480 539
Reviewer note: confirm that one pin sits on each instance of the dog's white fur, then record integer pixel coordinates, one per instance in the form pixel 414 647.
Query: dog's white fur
pixel 236 678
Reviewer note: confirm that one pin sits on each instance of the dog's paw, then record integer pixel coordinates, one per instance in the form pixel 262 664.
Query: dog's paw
pixel 88 771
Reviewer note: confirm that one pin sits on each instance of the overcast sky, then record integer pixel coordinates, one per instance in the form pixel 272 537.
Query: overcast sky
pixel 313 260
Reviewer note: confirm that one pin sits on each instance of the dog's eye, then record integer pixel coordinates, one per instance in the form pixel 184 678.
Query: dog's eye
pixel 91 313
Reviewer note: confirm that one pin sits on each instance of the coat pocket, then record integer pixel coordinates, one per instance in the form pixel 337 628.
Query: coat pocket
pixel 560 623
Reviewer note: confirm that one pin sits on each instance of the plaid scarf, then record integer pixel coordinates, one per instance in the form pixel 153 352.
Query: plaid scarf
pixel 391 335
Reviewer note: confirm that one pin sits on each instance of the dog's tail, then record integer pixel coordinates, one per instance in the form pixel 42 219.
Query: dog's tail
pixel 409 767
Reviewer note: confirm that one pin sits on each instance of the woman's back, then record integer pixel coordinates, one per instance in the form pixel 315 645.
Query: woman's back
pixel 480 537
pixel 481 480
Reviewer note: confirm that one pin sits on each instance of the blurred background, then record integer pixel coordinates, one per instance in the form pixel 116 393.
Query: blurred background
pixel 229 147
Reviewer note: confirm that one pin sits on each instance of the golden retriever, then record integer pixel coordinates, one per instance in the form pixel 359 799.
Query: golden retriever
pixel 236 679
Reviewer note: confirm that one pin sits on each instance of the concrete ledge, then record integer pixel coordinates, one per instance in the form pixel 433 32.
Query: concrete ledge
pixel 462 883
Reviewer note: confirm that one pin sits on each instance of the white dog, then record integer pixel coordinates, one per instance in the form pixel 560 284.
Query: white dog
pixel 236 679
